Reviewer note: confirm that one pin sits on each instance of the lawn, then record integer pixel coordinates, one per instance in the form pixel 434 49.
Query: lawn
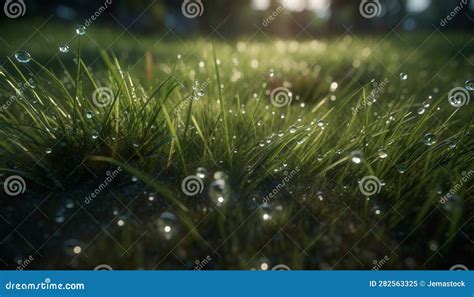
pixel 144 152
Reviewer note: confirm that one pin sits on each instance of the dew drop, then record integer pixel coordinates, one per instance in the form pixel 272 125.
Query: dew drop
pixel 64 48
pixel 293 129
pixel 95 135
pixel 469 84
pixel 429 139
pixel 403 76
pixel 401 168
pixel 23 56
pixel 356 157
pixel 80 30
pixel 201 172
pixel 382 153
pixel 48 150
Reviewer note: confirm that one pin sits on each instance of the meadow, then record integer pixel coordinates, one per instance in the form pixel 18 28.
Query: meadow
pixel 157 152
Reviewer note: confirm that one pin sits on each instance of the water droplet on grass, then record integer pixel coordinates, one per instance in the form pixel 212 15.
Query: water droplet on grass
pixel 201 172
pixel 469 84
pixel 320 123
pixel 80 30
pixel 23 56
pixel 356 157
pixel 64 48
pixel 382 153
pixel 167 224
pixel 403 76
pixel 48 150
pixel 266 211
pixel 401 168
pixel 89 114
pixel 95 135
pixel 293 129
pixel 429 139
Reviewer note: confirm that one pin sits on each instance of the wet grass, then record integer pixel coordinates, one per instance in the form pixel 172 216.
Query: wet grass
pixel 208 113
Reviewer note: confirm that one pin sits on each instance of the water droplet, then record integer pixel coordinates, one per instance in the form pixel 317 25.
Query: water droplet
pixel 220 175
pixel 403 76
pixel 151 196
pixel 401 168
pixel 421 110
pixel 167 224
pixel 120 222
pixel 293 129
pixel 80 30
pixel 266 211
pixel 201 172
pixel 72 247
pixel 89 114
pixel 469 84
pixel 356 157
pixel 261 143
pixel 95 135
pixel 134 179
pixel 200 93
pixel 64 48
pixel 382 153
pixel 23 56
pixel 219 192
pixel 48 150
pixel 271 73
pixel 69 203
pixel 320 123
pixel 429 139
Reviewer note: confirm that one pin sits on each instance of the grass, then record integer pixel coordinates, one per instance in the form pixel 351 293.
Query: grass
pixel 159 130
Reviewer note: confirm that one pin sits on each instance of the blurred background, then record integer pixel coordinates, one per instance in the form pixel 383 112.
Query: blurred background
pixel 317 17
